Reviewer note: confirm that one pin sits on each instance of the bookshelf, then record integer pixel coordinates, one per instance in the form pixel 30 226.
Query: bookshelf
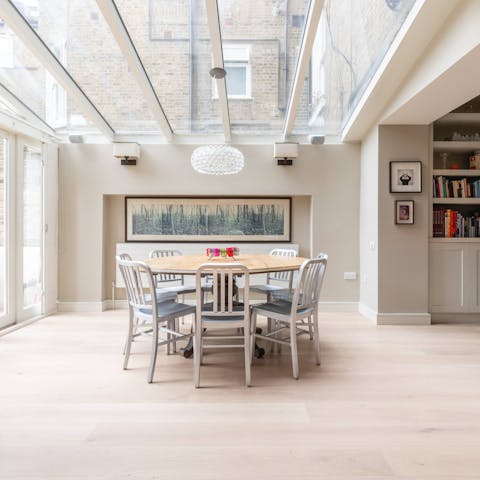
pixel 454 246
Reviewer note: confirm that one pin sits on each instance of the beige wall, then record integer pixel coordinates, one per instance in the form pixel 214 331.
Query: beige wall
pixel 403 249
pixel 328 174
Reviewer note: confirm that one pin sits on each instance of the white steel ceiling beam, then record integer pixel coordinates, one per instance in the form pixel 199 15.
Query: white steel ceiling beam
pixel 308 39
pixel 34 43
pixel 26 113
pixel 216 41
pixel 120 32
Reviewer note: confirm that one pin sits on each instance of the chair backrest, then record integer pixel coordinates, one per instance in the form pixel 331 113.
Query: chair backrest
pixel 286 277
pixel 165 277
pixel 310 279
pixel 221 279
pixel 139 284
pixel 125 256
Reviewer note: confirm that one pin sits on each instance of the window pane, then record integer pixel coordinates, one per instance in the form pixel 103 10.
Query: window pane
pixel 236 80
pixel 352 40
pixel 27 79
pixel 273 32
pixel 173 41
pixel 78 35
pixel 32 227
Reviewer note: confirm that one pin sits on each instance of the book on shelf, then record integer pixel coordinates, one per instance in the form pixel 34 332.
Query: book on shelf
pixel 449 223
pixel 446 187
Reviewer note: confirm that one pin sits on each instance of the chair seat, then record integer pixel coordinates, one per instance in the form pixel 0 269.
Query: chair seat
pixel 168 309
pixel 216 319
pixel 161 296
pixel 177 289
pixel 266 288
pixel 281 307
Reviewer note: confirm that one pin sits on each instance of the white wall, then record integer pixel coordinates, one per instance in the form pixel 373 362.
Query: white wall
pixel 446 76
pixel 327 173
pixel 369 224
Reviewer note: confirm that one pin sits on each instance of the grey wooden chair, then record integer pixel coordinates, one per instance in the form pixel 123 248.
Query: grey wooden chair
pixel 223 312
pixel 152 318
pixel 277 282
pixel 289 315
pixel 164 280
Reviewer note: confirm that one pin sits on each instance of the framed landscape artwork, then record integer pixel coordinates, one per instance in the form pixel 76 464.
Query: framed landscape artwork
pixel 207 219
pixel 406 176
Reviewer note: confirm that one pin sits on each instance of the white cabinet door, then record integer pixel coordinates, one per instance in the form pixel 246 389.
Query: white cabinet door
pixel 447 279
pixel 473 279
pixel 455 277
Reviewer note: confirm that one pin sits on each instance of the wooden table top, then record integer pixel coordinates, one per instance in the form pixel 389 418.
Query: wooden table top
pixel 188 264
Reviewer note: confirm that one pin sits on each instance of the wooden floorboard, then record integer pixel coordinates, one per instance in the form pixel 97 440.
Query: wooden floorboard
pixel 387 402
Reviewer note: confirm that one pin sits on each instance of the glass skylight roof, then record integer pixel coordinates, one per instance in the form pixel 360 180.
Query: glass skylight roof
pixel 260 41
pixel 173 43
pixel 352 40
pixel 78 35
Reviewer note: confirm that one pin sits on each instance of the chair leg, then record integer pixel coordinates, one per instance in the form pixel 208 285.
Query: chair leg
pixel 316 338
pixel 153 358
pixel 310 321
pixel 293 348
pixel 278 335
pixel 176 329
pixel 248 356
pixel 197 340
pixel 253 329
pixel 128 343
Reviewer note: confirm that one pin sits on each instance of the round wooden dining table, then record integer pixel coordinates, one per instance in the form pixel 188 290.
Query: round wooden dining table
pixel 188 264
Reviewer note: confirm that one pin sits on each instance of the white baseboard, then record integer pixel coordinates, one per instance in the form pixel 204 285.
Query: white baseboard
pixel 338 306
pixel 367 312
pixel 18 326
pixel 394 318
pixel 403 319
pixel 93 307
pixel 455 318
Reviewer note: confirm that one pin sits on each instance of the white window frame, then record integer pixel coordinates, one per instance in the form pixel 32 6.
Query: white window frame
pixel 236 55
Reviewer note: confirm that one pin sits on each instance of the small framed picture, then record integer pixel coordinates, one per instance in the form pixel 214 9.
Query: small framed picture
pixel 404 212
pixel 406 176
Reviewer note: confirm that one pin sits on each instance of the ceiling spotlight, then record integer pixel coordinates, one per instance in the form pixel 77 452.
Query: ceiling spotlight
pixel 393 4
pixel 217 72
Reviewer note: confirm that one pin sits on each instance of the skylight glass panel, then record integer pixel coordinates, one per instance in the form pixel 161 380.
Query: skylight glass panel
pixel 173 42
pixel 261 42
pixel 352 40
pixel 78 35
pixel 25 78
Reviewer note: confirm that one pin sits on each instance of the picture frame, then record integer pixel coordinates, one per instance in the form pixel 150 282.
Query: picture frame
pixel 207 219
pixel 406 176
pixel 404 212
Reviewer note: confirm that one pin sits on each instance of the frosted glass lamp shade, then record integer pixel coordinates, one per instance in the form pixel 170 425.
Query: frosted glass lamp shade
pixel 217 160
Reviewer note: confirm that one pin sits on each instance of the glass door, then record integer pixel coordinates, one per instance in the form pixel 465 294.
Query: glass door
pixel 4 316
pixel 31 235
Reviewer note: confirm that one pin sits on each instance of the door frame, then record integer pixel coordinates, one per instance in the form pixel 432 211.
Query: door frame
pixel 8 318
pixel 33 311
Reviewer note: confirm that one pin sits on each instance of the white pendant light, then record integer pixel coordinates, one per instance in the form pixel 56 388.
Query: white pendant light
pixel 217 160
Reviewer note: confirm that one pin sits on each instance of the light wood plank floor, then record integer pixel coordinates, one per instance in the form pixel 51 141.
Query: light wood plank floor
pixel 387 403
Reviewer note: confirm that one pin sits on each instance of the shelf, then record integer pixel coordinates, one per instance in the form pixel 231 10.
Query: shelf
pixel 451 146
pixel 459 118
pixel 456 201
pixel 454 240
pixel 457 173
